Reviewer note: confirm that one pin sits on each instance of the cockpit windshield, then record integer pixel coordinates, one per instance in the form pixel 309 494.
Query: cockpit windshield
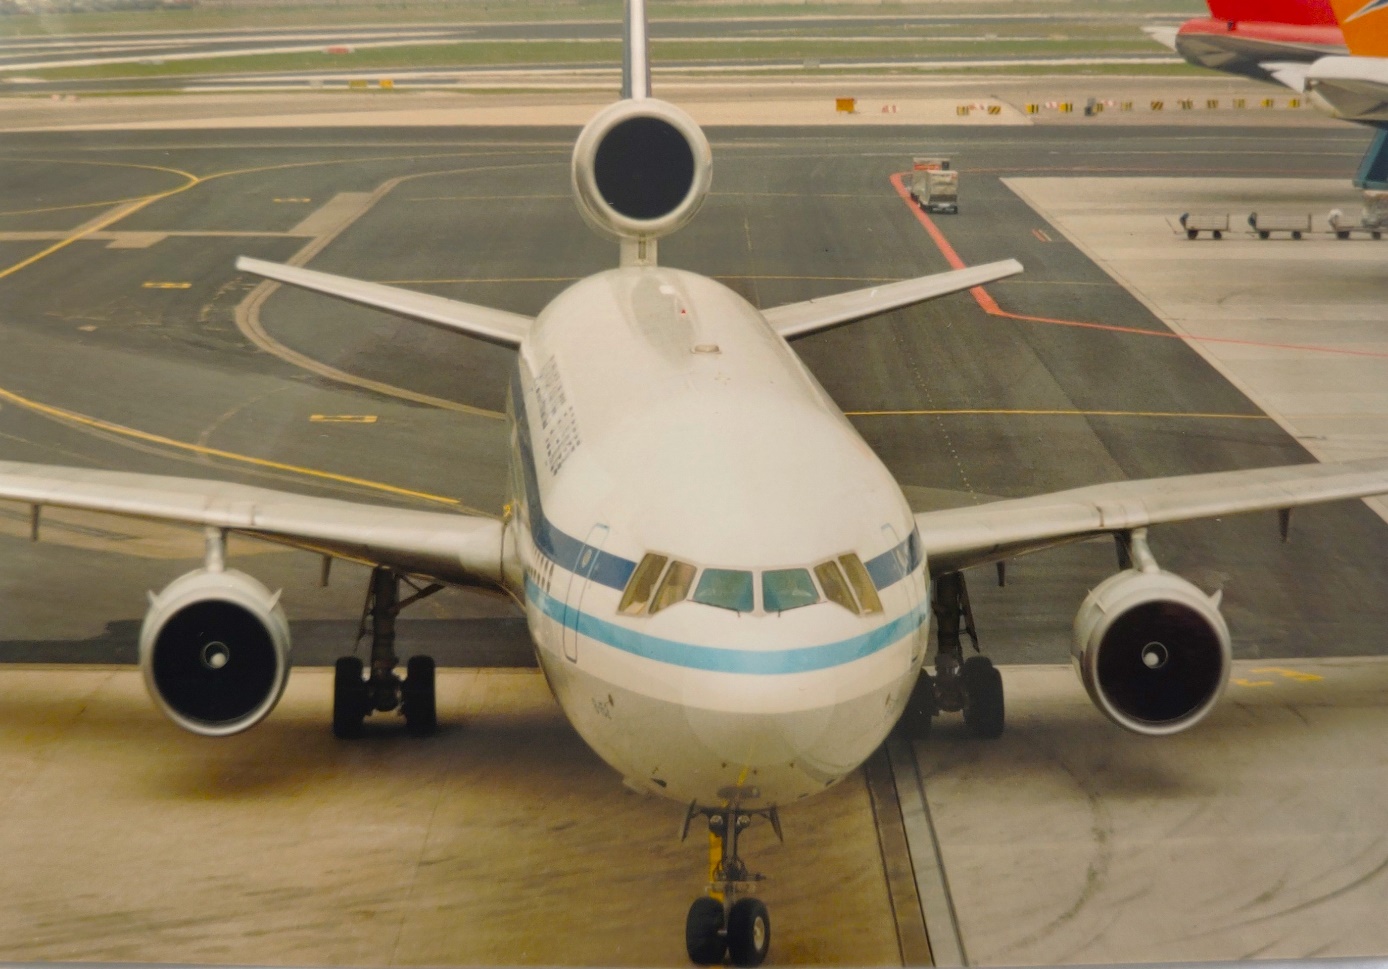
pixel 659 582
pixel 784 589
pixel 725 588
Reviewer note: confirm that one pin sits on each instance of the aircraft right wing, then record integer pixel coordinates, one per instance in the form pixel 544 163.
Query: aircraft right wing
pixel 483 322
pixel 959 538
pixel 451 547
pixel 799 319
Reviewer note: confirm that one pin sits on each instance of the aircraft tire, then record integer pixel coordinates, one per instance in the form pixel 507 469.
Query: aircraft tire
pixel 417 698
pixel 703 932
pixel 983 698
pixel 749 932
pixel 349 698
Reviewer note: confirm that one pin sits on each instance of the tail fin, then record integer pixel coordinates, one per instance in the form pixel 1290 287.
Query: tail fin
pixel 1301 13
pixel 636 61
pixel 1365 25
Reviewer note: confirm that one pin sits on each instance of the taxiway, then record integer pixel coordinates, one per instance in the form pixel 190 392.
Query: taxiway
pixel 131 343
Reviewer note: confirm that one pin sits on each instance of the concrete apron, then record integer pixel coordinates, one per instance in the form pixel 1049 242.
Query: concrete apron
pixel 1259 833
pixel 503 840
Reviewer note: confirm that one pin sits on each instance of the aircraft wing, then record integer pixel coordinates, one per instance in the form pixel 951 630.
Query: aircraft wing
pixel 960 538
pixel 483 322
pixel 451 547
pixel 799 319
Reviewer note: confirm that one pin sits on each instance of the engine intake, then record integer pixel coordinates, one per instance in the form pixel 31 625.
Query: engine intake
pixel 1152 650
pixel 214 649
pixel 641 169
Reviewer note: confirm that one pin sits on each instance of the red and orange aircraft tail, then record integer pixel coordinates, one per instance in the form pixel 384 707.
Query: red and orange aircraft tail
pixel 1365 26
pixel 1300 13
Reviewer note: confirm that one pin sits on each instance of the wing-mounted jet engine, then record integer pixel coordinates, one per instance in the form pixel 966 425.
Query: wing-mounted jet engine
pixel 641 169
pixel 214 649
pixel 1152 650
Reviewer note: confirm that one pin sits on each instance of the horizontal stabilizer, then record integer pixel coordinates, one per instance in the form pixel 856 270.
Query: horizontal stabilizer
pixel 482 322
pixel 798 319
pixel 1164 35
pixel 1290 73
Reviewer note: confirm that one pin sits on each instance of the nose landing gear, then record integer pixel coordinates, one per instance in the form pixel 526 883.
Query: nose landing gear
pixel 355 697
pixel 722 923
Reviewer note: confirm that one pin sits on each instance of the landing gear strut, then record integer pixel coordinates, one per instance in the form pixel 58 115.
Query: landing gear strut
pixel 721 921
pixel 355 696
pixel 969 686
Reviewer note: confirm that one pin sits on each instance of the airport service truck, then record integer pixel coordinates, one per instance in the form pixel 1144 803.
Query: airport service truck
pixel 935 184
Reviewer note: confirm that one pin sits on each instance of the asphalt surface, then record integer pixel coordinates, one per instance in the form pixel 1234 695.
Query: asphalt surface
pixel 104 329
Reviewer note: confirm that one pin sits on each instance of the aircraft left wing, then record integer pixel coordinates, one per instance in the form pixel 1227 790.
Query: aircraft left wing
pixel 799 319
pixel 451 547
pixel 959 538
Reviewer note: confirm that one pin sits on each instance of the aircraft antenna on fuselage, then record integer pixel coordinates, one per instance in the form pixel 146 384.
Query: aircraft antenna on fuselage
pixel 636 59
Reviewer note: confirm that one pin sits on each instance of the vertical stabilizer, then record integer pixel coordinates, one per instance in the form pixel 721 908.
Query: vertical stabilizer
pixel 1365 26
pixel 636 60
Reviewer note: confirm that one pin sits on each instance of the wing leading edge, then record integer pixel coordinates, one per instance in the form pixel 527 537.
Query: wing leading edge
pixel 455 548
pixel 960 538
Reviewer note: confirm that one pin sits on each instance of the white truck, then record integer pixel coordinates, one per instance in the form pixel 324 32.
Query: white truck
pixel 935 185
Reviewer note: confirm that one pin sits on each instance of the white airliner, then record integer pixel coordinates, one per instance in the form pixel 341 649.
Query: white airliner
pixel 727 592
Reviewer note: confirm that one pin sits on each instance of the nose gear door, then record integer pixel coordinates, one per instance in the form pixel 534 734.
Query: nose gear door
pixel 578 585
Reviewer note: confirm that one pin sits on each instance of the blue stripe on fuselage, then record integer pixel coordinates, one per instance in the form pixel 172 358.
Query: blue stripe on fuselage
pixel 715 659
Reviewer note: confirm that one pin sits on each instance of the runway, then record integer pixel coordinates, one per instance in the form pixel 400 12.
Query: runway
pixel 131 343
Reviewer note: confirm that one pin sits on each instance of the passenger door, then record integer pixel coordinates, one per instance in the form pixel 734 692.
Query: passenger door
pixel 578 585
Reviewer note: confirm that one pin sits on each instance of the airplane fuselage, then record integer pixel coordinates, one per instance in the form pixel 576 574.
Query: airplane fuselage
pixel 695 523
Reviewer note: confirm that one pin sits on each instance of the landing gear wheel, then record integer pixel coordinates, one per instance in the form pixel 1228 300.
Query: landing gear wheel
pixel 921 708
pixel 749 932
pixel 350 698
pixel 703 932
pixel 983 702
pixel 417 697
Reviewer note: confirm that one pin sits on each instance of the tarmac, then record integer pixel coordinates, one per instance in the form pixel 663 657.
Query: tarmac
pixel 131 343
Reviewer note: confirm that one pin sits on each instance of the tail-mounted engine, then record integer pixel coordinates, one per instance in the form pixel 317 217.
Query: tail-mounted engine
pixel 641 169
pixel 1152 650
pixel 215 651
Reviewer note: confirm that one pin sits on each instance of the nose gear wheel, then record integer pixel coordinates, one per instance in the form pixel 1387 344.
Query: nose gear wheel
pixel 728 919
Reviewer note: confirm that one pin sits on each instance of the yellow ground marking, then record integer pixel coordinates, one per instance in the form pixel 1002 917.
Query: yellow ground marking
pixel 294 200
pixel 1289 674
pixel 149 285
pixel 110 219
pixel 72 417
pixel 343 418
pixel 1243 682
pixel 1024 412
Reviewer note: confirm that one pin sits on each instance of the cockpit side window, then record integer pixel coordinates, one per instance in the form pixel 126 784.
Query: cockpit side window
pixel 784 589
pixel 638 591
pixel 674 587
pixel 835 588
pixel 861 582
pixel 725 588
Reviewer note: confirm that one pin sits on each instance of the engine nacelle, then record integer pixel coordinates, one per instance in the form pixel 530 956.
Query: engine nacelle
pixel 214 649
pixel 1152 650
pixel 641 169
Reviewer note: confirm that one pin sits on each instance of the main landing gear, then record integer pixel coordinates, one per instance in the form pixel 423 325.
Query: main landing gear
pixel 971 686
pixel 722 923
pixel 356 696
